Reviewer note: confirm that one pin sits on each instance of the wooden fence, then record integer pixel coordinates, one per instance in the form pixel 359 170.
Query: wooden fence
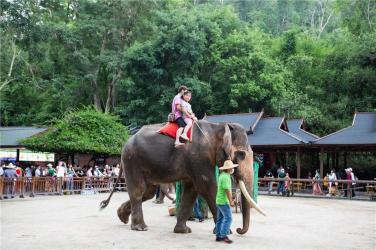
pixel 31 186
pixel 344 188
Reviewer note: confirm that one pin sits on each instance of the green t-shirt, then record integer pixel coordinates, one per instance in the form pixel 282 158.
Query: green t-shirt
pixel 224 182
pixel 51 172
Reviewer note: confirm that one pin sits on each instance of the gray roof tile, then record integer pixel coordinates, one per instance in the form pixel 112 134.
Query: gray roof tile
pixel 269 133
pixel 361 132
pixel 296 127
pixel 10 136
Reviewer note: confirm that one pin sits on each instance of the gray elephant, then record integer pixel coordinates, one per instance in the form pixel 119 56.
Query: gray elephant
pixel 150 158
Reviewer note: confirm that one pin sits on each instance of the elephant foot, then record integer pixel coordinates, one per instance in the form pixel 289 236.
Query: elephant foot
pixel 139 227
pixel 123 214
pixel 182 229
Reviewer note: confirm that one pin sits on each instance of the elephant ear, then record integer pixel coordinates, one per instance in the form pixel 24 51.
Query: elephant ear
pixel 225 150
pixel 227 141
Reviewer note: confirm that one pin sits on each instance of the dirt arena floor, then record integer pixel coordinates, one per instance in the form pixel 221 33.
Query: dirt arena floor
pixel 75 222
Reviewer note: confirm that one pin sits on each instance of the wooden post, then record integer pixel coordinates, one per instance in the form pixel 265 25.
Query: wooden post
pixel 33 180
pixel 322 162
pixel 298 163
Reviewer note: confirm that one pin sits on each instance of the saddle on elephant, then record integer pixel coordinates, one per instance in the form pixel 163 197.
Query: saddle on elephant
pixel 170 129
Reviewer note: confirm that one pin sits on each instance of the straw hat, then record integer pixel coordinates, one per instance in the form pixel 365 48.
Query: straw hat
pixel 228 165
pixel 10 166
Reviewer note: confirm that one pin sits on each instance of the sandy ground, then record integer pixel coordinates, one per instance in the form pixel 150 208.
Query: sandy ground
pixel 74 222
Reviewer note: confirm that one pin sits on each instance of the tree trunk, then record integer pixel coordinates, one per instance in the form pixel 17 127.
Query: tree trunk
pixel 96 99
pixel 111 93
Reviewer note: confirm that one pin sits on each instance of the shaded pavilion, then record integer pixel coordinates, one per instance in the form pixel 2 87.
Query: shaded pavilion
pixel 359 137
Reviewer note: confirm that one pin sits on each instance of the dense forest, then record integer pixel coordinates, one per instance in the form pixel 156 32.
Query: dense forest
pixel 310 58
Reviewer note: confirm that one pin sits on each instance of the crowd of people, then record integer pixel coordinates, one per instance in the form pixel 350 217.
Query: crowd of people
pixel 60 170
pixel 67 173
pixel 327 186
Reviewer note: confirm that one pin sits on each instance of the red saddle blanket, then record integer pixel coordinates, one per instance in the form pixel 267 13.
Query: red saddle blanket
pixel 170 129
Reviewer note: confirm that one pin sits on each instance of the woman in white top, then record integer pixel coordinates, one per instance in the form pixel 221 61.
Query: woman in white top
pixel 188 115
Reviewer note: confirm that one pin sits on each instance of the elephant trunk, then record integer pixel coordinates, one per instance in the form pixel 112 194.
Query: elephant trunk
pixel 246 209
pixel 247 203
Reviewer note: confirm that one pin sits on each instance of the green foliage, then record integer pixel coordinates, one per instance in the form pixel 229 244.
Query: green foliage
pixel 85 130
pixel 308 58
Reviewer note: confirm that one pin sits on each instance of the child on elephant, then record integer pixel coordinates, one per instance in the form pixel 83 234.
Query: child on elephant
pixel 224 201
pixel 188 115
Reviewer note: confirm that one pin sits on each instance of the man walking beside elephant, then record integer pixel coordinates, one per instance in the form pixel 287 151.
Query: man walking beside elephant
pixel 224 201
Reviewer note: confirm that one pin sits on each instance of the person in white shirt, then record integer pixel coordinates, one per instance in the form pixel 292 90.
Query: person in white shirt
pixel 28 172
pixel 332 184
pixel 61 170
pixel 97 172
pixel 38 172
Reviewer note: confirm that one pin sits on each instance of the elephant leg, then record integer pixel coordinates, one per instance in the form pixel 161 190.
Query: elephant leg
pixel 125 209
pixel 209 192
pixel 188 198
pixel 209 196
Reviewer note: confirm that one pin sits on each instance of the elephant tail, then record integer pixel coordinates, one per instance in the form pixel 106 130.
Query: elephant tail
pixel 105 203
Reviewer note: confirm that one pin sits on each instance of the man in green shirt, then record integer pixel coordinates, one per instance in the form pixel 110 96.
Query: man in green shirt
pixel 224 201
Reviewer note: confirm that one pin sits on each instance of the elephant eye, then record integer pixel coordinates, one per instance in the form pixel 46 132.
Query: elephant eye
pixel 239 155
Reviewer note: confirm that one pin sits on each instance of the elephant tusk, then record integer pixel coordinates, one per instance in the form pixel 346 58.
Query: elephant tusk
pixel 249 198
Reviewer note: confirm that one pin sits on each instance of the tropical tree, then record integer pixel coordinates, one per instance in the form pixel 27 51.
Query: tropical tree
pixel 82 131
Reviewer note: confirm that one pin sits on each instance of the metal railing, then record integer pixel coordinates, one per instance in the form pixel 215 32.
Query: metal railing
pixel 330 188
pixel 31 186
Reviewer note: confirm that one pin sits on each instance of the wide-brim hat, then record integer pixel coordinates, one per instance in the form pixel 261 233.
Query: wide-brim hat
pixel 228 165
pixel 49 165
pixel 10 165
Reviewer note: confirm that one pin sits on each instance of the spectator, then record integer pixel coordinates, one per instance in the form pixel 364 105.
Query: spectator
pixel 18 171
pixel 28 172
pixel 197 211
pixel 333 185
pixel 325 183
pixel 269 175
pixel 70 174
pixel 116 170
pixel 10 173
pixel 89 172
pixel 97 172
pixel 350 186
pixel 51 171
pixel 281 183
pixel 61 170
pixel 2 169
pixel 44 171
pixel 38 172
pixel 107 171
pixel 316 185
pixel 287 185
pixel 89 175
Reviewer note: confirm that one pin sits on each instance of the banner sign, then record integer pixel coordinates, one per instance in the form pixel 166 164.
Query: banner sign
pixel 8 154
pixel 26 155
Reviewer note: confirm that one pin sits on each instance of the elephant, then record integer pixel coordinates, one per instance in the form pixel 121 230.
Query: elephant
pixel 150 158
